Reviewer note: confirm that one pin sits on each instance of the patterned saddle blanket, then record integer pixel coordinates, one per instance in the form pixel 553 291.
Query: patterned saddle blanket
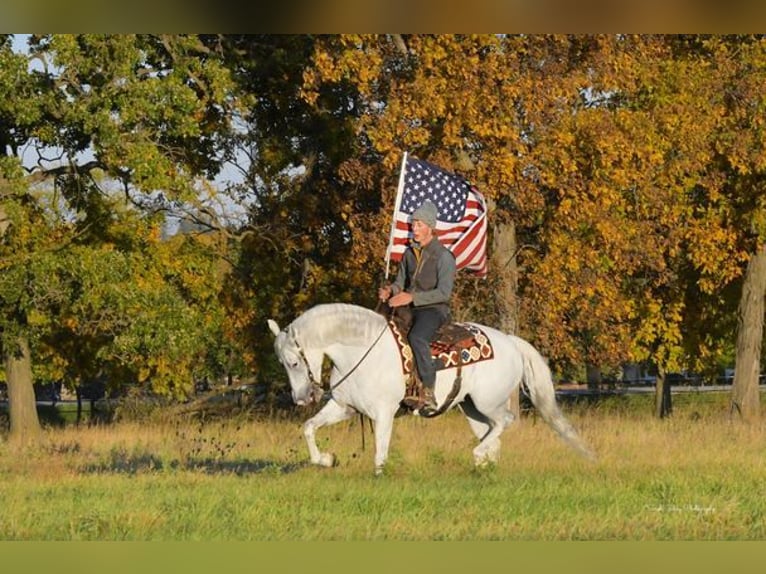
pixel 455 344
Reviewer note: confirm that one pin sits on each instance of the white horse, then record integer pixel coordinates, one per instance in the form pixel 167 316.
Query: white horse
pixel 367 378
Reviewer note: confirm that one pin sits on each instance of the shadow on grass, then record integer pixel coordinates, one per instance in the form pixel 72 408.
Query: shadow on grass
pixel 124 463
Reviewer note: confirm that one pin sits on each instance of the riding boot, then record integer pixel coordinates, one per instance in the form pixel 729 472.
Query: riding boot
pixel 428 398
pixel 418 396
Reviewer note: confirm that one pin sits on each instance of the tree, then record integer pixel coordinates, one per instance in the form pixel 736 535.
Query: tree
pixel 736 187
pixel 484 99
pixel 616 157
pixel 672 161
pixel 15 341
pixel 136 117
pixel 616 228
pixel 488 98
pixel 302 186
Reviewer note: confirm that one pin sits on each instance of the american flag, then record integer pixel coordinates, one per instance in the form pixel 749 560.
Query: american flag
pixel 462 220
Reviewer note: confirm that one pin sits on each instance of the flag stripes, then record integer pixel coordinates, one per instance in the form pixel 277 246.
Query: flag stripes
pixel 462 222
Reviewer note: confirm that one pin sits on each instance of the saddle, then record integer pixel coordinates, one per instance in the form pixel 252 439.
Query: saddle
pixel 453 345
pixel 447 336
pixel 453 335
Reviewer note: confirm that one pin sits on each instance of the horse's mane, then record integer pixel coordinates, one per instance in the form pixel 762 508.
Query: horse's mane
pixel 337 322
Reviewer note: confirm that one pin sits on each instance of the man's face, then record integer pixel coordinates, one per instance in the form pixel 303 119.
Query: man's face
pixel 421 232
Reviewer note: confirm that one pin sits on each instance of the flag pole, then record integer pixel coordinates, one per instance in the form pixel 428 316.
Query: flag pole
pixel 398 200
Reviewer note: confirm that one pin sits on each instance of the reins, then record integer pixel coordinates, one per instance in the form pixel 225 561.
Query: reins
pixel 349 373
pixel 359 362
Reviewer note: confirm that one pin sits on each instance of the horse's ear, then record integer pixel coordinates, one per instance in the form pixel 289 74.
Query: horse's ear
pixel 274 327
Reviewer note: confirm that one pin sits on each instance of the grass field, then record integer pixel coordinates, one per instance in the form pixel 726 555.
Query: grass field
pixel 694 476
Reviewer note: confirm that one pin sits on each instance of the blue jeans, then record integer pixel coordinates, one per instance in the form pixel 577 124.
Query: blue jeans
pixel 425 322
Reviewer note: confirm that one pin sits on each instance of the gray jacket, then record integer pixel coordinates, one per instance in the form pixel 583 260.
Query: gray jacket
pixel 430 281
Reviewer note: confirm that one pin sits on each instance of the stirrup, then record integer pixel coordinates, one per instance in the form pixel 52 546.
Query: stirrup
pixel 421 398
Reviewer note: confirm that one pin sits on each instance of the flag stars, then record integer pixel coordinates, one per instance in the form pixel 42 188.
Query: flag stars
pixel 449 192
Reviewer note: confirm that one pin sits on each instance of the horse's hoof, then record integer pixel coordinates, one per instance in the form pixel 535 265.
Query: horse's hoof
pixel 327 460
pixel 484 462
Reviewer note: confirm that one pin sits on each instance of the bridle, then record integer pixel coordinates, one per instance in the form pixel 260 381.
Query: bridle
pixel 302 355
pixel 317 384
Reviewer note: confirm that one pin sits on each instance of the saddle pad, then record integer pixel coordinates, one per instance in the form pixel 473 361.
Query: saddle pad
pixel 448 355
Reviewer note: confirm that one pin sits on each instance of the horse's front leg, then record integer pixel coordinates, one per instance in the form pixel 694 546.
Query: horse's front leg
pixel 330 414
pixel 383 427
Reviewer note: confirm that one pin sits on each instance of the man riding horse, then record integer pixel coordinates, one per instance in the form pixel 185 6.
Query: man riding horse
pixel 424 283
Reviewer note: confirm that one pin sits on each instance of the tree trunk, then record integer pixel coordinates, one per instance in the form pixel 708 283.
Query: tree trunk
pixel 593 376
pixel 25 424
pixel 663 405
pixel 506 295
pixel 78 395
pixel 22 406
pixel 745 393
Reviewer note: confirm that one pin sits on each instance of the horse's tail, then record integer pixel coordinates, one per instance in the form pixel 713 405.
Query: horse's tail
pixel 539 384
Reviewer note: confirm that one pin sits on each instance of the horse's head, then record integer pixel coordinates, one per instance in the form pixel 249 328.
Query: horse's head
pixel 302 365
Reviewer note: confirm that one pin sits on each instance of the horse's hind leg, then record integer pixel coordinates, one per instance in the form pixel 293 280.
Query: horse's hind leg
pixel 487 429
pixel 330 414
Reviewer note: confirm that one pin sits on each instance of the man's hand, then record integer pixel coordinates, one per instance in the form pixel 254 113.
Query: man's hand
pixel 384 293
pixel 400 299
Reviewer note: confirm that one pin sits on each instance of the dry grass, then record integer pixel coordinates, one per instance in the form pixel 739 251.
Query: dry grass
pixel 693 476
